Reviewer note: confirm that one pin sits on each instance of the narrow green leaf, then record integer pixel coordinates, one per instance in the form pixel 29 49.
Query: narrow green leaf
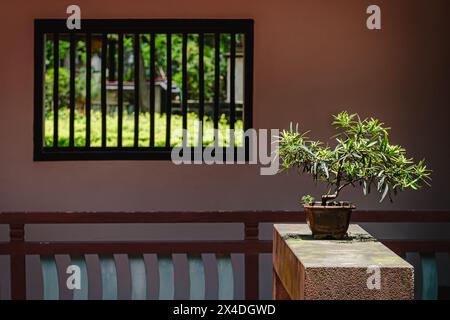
pixel 386 189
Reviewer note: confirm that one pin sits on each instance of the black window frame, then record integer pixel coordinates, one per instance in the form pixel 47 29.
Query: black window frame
pixel 130 26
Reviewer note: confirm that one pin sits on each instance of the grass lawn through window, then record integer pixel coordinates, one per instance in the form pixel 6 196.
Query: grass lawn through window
pixel 144 129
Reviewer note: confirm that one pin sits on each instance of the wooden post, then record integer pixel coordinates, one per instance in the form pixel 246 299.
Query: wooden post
pixel 17 262
pixel 251 264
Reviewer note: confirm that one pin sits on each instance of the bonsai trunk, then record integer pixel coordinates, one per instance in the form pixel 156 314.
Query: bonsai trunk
pixel 328 197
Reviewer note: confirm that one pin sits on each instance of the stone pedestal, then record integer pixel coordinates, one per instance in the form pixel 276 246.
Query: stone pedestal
pixel 357 268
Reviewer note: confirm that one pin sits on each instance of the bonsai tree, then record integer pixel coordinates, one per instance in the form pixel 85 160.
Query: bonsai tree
pixel 362 157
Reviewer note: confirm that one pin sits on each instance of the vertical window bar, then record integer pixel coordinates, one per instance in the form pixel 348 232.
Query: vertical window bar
pixel 184 92
pixel 88 88
pixel 248 80
pixel 216 81
pixel 72 91
pixel 112 63
pixel 248 86
pixel 169 88
pixel 136 52
pixel 103 88
pixel 232 85
pixel 120 91
pixel 55 87
pixel 152 90
pixel 201 83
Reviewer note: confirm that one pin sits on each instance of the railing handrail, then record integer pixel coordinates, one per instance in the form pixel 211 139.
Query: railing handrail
pixel 212 217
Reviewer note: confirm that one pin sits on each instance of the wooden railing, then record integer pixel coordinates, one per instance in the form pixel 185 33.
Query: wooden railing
pixel 250 246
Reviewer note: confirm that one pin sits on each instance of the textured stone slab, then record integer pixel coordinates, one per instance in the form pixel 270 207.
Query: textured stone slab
pixel 337 269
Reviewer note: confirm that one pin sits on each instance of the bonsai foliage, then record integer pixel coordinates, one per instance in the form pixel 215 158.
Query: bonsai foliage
pixel 362 157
